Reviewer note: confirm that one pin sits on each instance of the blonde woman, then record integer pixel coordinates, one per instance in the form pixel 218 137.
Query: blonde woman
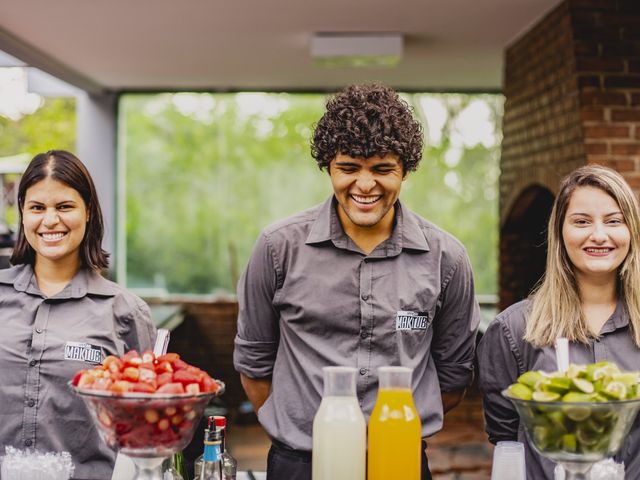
pixel 590 294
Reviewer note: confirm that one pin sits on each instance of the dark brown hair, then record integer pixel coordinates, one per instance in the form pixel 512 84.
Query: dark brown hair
pixel 366 120
pixel 66 168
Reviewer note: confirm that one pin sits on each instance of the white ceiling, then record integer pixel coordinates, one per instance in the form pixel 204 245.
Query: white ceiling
pixel 260 44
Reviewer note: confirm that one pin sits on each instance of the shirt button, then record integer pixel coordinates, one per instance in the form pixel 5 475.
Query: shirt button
pixel 28 443
pixel 32 363
pixel 363 334
pixel 38 330
pixel 365 297
pixel 363 371
pixel 31 402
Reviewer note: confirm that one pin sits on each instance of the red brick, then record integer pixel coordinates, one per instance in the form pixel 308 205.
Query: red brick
pixel 606 131
pixel 599 64
pixel 621 48
pixel 633 180
pixel 624 165
pixel 600 34
pixel 592 113
pixel 603 98
pixel 619 19
pixel 626 115
pixel 587 81
pixel 586 18
pixel 625 148
pixel 622 81
pixel 596 148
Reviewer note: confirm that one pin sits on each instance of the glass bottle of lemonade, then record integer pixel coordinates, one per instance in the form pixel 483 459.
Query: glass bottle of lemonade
pixel 395 439
pixel 339 429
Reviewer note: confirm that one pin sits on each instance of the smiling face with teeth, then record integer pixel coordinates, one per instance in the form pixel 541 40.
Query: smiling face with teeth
pixel 595 234
pixel 366 190
pixel 54 219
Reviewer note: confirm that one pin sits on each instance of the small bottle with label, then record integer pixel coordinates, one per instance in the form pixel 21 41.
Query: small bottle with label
pixel 212 466
pixel 229 464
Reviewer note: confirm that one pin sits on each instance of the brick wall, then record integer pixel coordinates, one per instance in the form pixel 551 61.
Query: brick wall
pixel 607 45
pixel 572 88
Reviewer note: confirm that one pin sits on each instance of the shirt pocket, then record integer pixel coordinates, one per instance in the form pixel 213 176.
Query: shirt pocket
pixel 413 335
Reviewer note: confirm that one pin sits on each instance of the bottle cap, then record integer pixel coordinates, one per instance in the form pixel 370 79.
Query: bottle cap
pixel 220 422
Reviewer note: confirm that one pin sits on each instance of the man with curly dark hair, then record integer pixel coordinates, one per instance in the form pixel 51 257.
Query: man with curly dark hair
pixel 357 281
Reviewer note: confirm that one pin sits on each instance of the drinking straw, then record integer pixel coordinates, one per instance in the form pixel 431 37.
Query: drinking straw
pixel 562 354
pixel 162 342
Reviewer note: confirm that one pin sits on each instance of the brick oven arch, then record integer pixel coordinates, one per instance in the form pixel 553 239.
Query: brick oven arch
pixel 523 245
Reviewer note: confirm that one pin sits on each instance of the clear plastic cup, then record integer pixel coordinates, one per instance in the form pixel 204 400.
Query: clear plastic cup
pixel 508 461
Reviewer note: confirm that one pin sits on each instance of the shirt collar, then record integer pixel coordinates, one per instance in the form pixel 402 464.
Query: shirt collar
pixel 619 318
pixel 406 234
pixel 85 282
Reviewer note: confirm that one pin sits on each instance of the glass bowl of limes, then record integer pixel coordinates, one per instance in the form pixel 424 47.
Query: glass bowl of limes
pixel 577 417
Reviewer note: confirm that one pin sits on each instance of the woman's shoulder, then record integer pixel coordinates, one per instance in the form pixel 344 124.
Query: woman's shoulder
pixel 12 274
pixel 101 286
pixel 512 321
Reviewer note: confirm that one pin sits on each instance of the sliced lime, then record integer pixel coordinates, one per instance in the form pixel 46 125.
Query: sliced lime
pixel 569 443
pixel 557 420
pixel 545 396
pixel 599 370
pixel 576 397
pixel 582 385
pixel 585 437
pixel 575 371
pixel 519 391
pixel 577 413
pixel 616 390
pixel 593 425
pixel 530 379
pixel 628 378
pixel 541 437
pixel 557 384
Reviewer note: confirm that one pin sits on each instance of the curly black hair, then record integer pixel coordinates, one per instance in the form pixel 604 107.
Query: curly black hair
pixel 366 120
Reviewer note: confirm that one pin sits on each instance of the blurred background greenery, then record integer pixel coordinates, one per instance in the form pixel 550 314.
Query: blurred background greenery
pixel 203 173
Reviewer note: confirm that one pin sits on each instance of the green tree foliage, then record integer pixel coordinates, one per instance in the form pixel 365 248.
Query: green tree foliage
pixel 205 173
pixel 52 126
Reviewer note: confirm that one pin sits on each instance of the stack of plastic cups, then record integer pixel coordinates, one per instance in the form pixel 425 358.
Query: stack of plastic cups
pixel 508 462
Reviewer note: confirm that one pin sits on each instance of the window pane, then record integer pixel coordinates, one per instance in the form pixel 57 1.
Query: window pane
pixel 204 173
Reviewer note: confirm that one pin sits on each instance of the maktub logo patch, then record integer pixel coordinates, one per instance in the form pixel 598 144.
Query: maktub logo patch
pixel 406 320
pixel 83 352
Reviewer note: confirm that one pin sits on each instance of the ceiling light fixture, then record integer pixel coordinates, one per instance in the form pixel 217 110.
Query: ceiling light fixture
pixel 356 49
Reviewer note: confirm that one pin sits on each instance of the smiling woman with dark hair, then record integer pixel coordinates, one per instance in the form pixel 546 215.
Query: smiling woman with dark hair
pixel 59 315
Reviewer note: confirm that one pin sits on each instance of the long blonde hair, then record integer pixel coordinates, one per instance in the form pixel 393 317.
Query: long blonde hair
pixel 555 303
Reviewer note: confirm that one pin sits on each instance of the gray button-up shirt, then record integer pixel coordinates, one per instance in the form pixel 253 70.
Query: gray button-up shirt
pixel 311 298
pixel 44 342
pixel 503 356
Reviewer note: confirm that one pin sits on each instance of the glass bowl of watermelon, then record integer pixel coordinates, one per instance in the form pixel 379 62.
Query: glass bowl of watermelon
pixel 146 406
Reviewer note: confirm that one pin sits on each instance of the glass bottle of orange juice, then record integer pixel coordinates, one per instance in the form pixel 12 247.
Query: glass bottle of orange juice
pixel 395 439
